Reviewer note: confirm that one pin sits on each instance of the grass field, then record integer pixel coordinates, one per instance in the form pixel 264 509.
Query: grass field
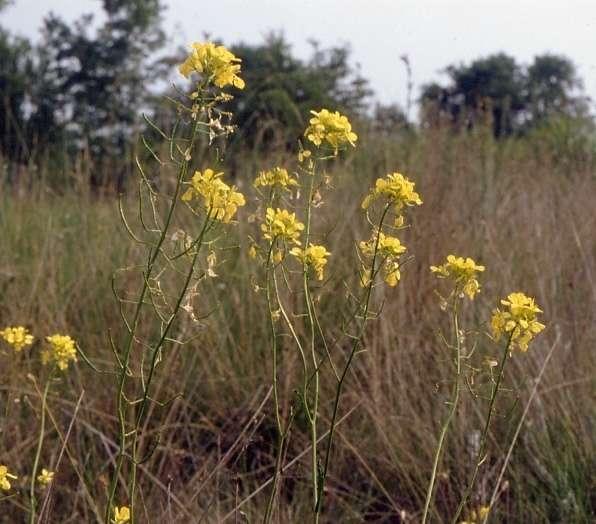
pixel 521 208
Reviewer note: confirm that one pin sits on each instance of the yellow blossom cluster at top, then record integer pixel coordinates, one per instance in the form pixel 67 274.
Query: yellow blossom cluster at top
pixel 280 223
pixel 61 351
pixel 314 257
pixel 278 177
pixel 213 62
pixel 332 128
pixel 5 478
pixel 121 515
pixel 518 320
pixel 397 190
pixel 477 516
pixel 219 199
pixel 462 271
pixel 389 250
pixel 18 337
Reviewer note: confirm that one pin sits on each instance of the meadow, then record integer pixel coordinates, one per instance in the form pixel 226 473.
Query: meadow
pixel 520 206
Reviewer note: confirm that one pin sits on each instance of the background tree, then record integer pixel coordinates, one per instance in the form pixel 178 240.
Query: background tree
pixel 494 83
pixel 15 75
pixel 99 82
pixel 553 88
pixel 517 98
pixel 281 90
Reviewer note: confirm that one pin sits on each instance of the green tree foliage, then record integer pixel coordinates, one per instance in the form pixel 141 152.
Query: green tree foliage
pixel 15 72
pixel 83 86
pixel 99 82
pixel 516 97
pixel 551 84
pixel 281 90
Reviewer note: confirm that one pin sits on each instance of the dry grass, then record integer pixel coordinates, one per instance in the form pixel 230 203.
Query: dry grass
pixel 528 217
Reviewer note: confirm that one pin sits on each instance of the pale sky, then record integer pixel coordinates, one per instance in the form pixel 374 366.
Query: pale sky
pixel 433 33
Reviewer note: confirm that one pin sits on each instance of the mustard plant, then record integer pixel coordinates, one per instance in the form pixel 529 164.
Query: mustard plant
pixel 285 234
pixel 463 276
pixel 518 324
pixel 170 251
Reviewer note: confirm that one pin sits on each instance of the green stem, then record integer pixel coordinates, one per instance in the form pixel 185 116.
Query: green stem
pixel 450 415
pixel 131 333
pixel 42 429
pixel 153 365
pixel 344 373
pixel 311 322
pixel 280 431
pixel 484 437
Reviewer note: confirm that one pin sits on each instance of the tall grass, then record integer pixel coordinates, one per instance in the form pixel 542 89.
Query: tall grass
pixel 528 216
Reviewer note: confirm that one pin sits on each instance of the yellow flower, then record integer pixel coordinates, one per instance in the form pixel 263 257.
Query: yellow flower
pixel 280 223
pixel 215 63
pixel 314 256
pixel 121 515
pixel 462 271
pixel 333 128
pixel 276 177
pixel 398 190
pixel 219 199
pixel 303 154
pixel 477 516
pixel 46 477
pixel 4 478
pixel 519 320
pixel 389 250
pixel 61 351
pixel 18 337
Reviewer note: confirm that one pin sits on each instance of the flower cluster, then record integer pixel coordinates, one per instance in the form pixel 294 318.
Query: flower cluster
pixel 5 478
pixel 398 191
pixel 215 63
pixel 121 515
pixel 280 223
pixel 389 250
pixel 333 128
pixel 278 177
pixel 219 199
pixel 519 320
pixel 46 477
pixel 61 351
pixel 18 337
pixel 314 257
pixel 462 271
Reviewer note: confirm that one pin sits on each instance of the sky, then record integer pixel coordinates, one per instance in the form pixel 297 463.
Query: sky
pixel 432 33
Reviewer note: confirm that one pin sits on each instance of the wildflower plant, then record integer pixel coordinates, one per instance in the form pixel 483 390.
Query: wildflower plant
pixel 288 225
pixel 518 324
pixel 462 275
pixel 177 260
pixel 517 321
